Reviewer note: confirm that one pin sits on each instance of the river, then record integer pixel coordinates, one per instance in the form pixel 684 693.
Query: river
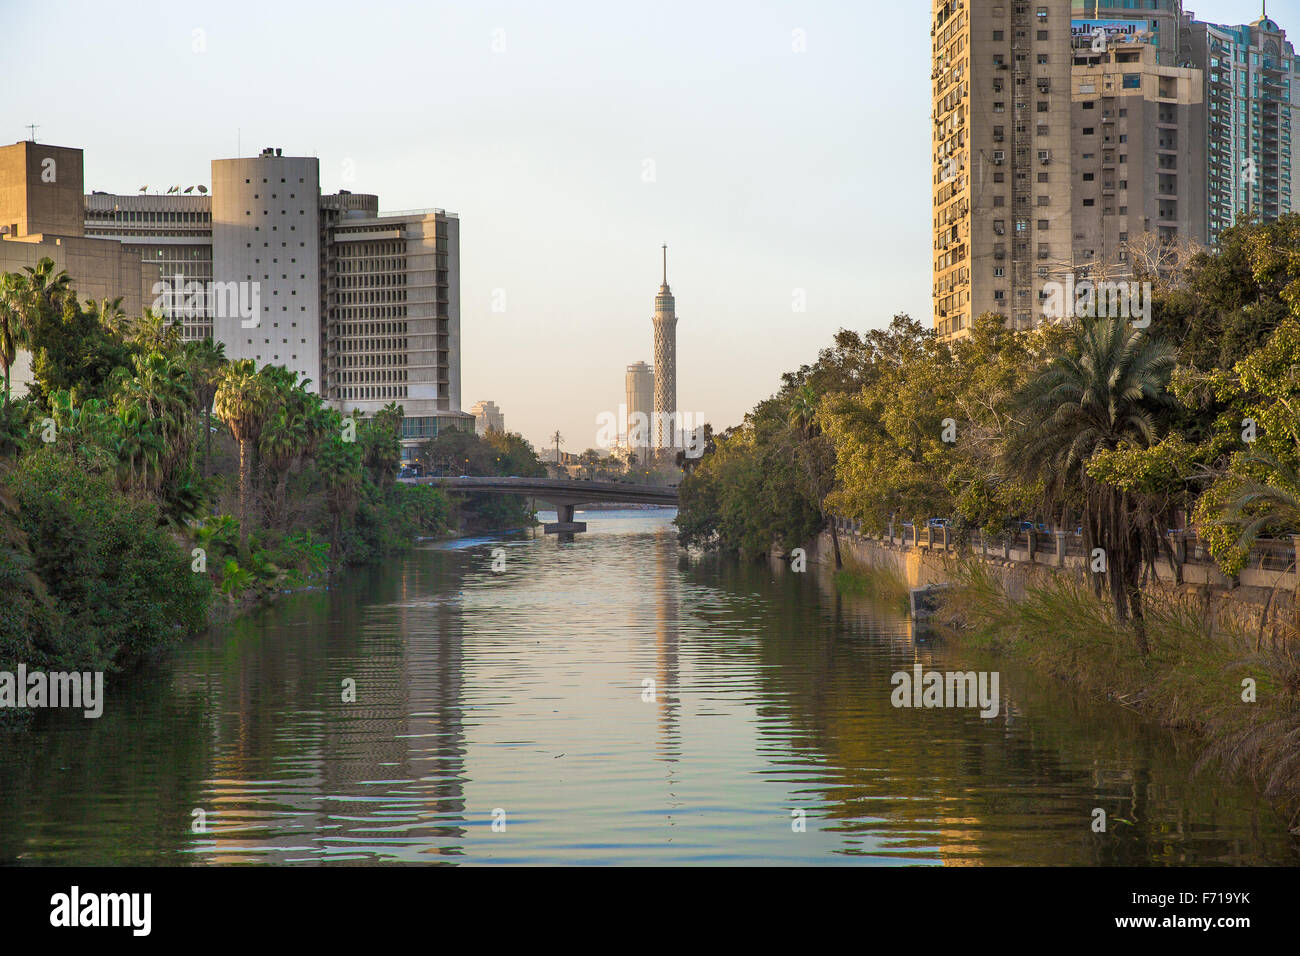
pixel 606 701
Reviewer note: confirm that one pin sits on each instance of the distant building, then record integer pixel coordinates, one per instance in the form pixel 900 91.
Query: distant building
pixel 1249 72
pixel 487 415
pixel 366 306
pixel 639 408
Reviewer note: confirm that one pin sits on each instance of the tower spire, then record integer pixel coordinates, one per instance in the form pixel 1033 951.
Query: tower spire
pixel 665 263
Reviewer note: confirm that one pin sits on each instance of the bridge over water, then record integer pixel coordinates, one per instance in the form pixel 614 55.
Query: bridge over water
pixel 564 494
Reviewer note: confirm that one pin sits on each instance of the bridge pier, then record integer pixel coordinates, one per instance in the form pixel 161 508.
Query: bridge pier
pixel 564 523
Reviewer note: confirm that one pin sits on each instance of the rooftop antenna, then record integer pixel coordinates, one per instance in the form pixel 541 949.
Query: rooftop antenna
pixel 33 127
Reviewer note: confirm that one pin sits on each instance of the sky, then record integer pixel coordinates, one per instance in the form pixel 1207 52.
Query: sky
pixel 781 150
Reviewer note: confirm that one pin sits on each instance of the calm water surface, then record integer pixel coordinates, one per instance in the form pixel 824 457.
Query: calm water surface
pixel 519 695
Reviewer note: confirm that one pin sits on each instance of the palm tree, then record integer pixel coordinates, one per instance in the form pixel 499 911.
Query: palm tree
pixel 241 402
pixel 154 333
pixel 22 298
pixel 205 360
pixel 339 463
pixel 49 288
pixel 1099 396
pixel 140 448
pixel 162 387
pixel 109 313
pixel 15 315
pixel 1255 504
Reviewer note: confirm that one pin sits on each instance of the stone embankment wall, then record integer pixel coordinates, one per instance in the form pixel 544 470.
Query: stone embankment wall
pixel 1259 598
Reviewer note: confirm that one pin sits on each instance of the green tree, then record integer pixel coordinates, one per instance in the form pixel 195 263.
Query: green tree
pixel 241 401
pixel 1102 395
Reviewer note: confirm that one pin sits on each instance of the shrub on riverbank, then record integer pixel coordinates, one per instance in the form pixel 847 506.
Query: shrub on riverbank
pixel 119 586
pixel 1192 679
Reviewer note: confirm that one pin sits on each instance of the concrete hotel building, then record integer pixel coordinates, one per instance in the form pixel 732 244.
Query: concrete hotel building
pixel 367 306
pixel 1001 144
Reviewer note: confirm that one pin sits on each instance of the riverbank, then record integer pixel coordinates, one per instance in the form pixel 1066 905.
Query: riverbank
pixel 1228 684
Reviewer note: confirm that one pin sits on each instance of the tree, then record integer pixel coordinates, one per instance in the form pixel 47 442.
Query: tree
pixel 1101 395
pixel 241 402
pixel 339 463
pixel 16 308
pixel 205 360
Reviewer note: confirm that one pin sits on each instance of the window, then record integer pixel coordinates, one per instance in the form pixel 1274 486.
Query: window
pixel 1043 224
pixel 1089 177
pixel 1090 104
pixel 1044 201
pixel 1088 131
pixel 1090 202
pixel 997 36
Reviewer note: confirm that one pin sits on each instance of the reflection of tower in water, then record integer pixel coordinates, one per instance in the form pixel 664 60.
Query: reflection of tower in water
pixel 666 637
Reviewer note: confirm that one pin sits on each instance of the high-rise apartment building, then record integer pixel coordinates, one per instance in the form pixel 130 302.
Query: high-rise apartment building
pixel 1247 72
pixel 1138 131
pixel 1001 145
pixel 1174 129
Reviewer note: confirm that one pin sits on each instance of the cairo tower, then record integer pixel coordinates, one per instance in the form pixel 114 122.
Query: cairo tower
pixel 665 322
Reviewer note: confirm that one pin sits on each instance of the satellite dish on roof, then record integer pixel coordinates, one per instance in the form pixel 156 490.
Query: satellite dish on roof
pixel 202 189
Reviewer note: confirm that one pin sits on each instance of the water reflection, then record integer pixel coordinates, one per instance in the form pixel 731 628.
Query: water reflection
pixel 521 696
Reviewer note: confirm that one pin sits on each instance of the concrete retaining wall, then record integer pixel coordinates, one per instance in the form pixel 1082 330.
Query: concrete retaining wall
pixel 1261 598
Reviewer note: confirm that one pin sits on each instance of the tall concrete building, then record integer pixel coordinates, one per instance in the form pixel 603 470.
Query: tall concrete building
pixel 365 305
pixel 1138 130
pixel 639 408
pixel 487 417
pixel 266 232
pixel 1001 157
pixel 1248 73
pixel 665 376
pixel 1173 128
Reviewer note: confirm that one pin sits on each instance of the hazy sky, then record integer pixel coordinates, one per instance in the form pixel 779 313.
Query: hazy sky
pixel 775 173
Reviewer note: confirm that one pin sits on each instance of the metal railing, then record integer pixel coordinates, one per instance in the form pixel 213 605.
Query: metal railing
pixel 1280 555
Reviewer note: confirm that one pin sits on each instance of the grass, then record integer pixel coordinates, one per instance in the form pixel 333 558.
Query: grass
pixel 1192 679
pixel 882 586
